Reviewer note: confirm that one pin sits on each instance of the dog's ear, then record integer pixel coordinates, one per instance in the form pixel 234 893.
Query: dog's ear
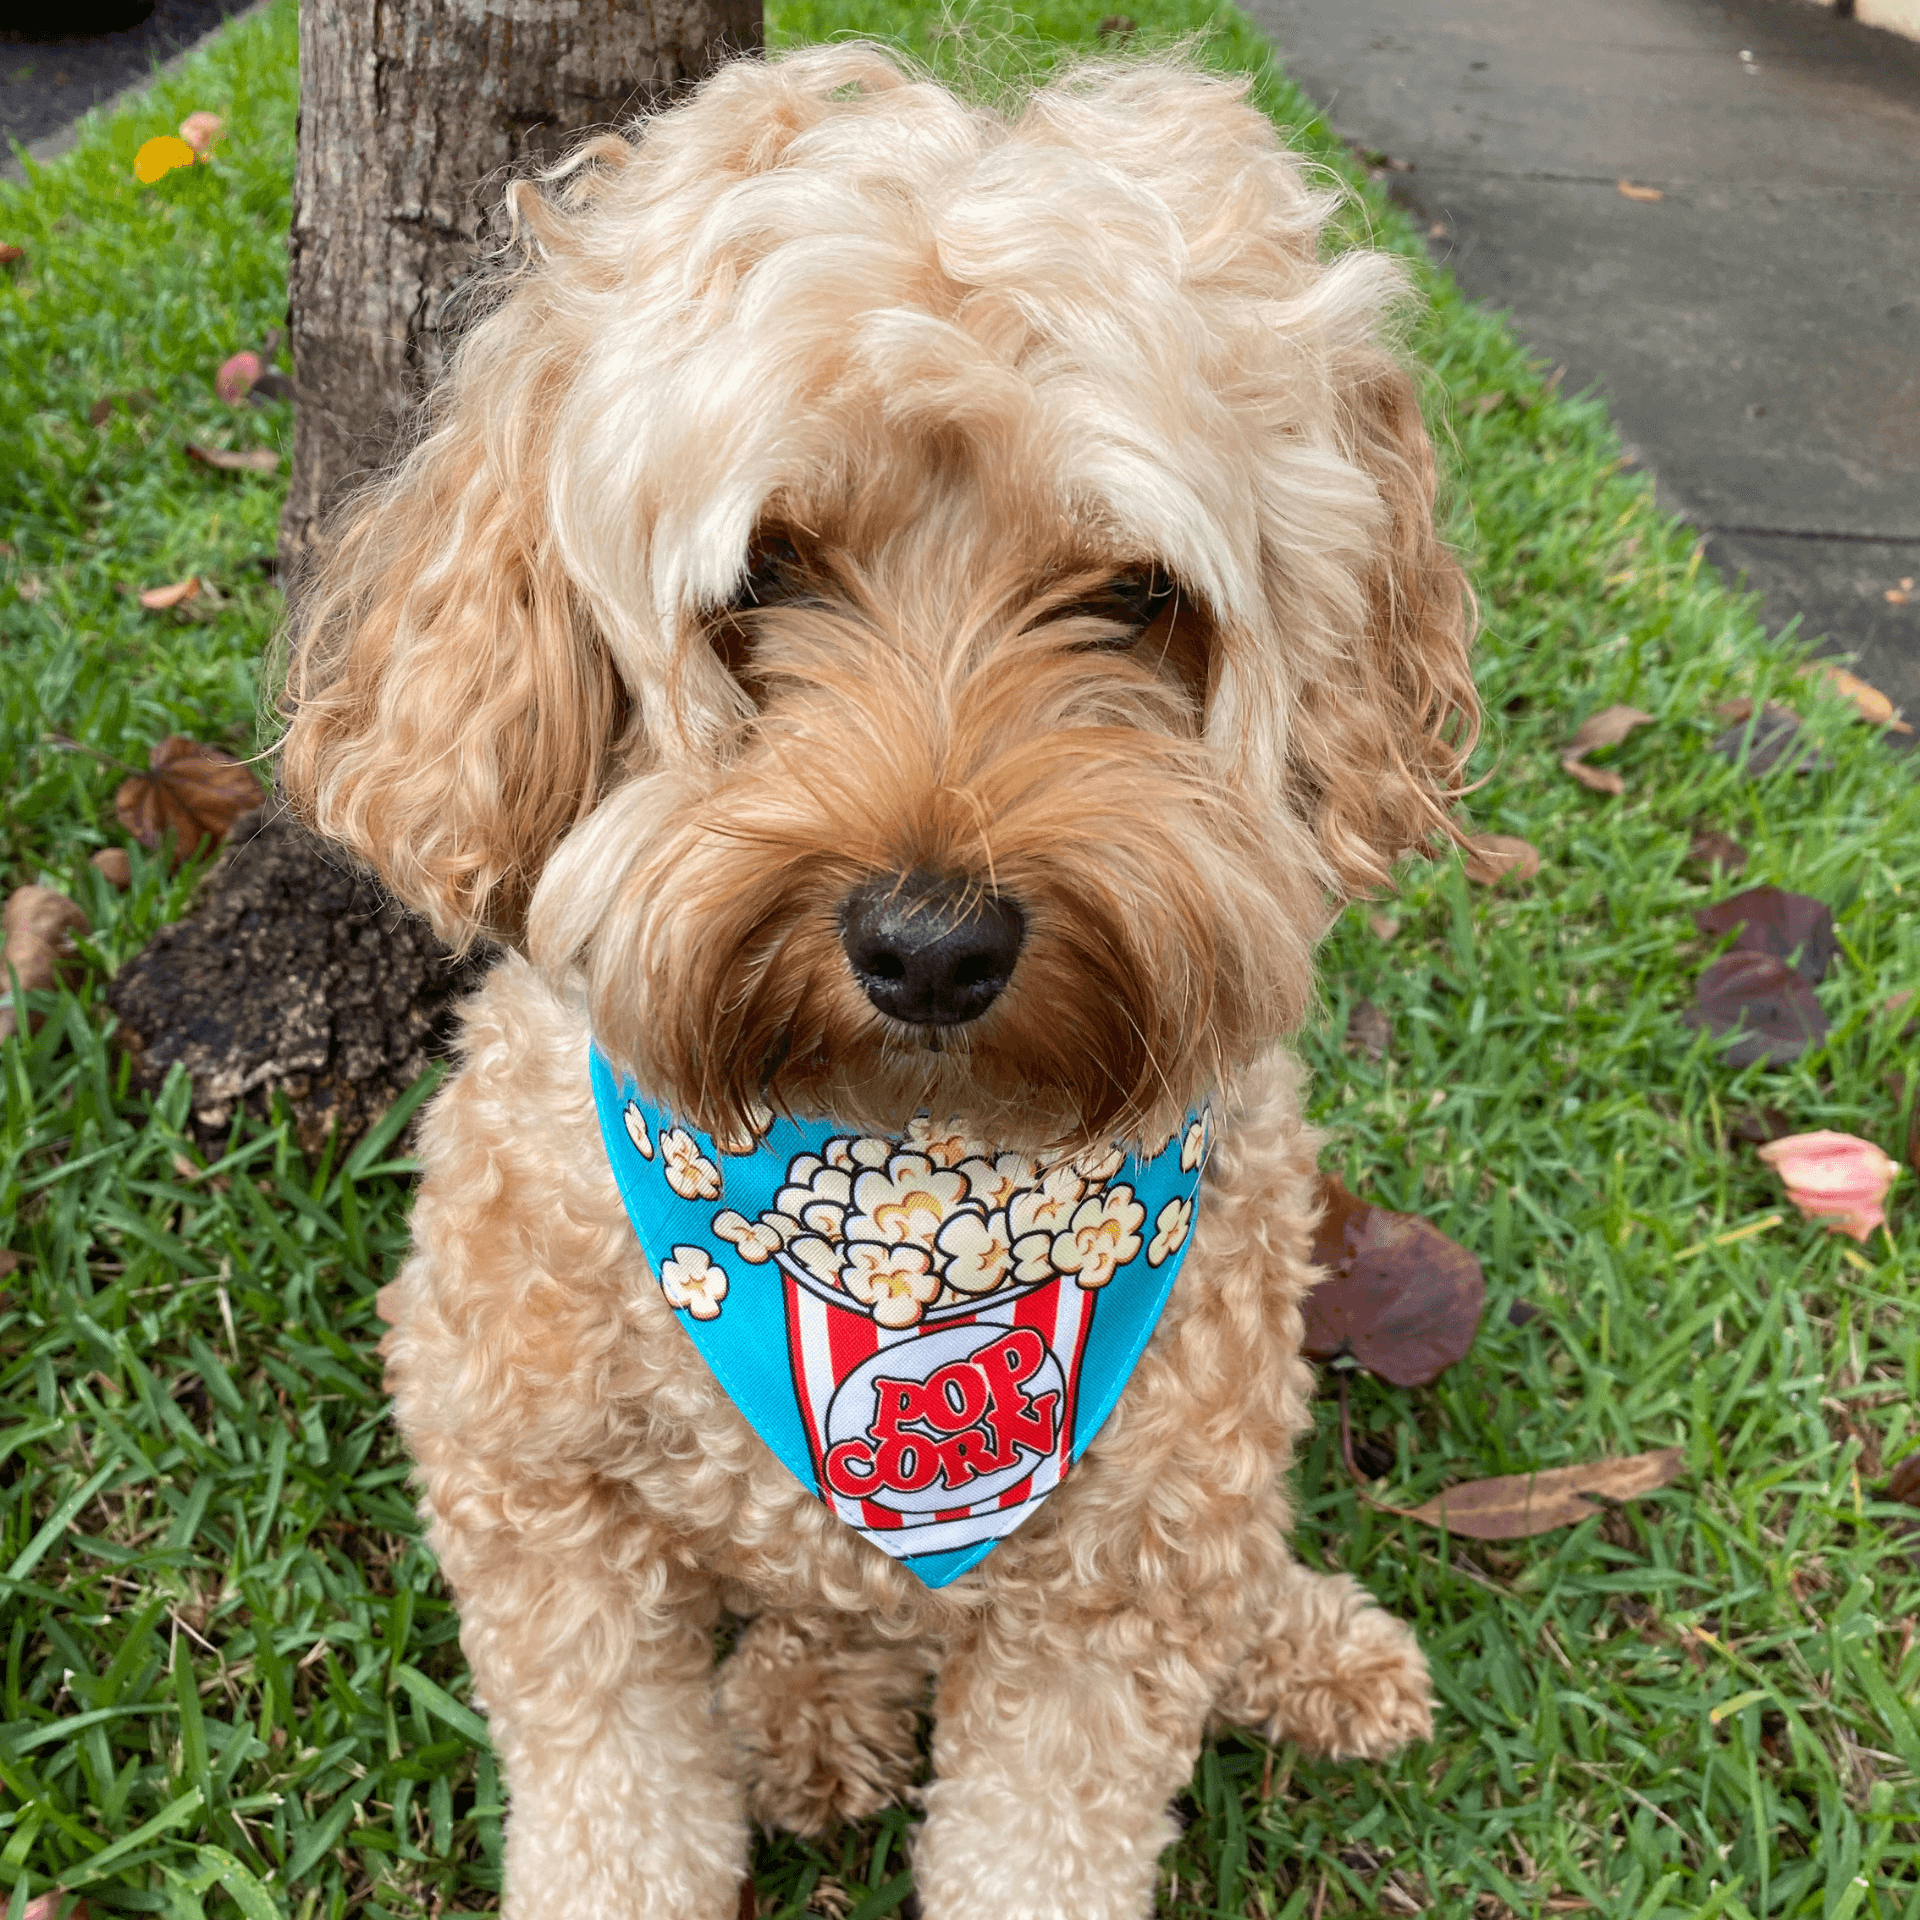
pixel 452 707
pixel 1378 748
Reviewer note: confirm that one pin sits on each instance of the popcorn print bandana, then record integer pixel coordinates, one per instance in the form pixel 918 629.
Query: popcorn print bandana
pixel 926 1332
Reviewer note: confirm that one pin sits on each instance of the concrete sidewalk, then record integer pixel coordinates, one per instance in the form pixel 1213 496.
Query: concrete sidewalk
pixel 1755 330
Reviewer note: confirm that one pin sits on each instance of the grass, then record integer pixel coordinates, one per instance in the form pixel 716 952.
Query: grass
pixel 230 1675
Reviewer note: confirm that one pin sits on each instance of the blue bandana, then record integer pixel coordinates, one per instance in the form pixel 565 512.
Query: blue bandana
pixel 926 1332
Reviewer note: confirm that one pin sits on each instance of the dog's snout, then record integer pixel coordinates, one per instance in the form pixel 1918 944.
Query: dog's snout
pixel 929 951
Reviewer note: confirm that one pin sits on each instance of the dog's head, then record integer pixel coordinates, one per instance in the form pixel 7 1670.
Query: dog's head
pixel 913 607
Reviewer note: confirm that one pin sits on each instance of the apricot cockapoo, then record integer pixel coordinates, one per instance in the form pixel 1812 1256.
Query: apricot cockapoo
pixel 906 620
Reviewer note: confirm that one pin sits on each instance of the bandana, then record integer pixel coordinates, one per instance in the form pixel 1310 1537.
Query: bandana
pixel 926 1332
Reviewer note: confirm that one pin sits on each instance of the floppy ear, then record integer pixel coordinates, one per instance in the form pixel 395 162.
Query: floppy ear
pixel 1377 752
pixel 452 706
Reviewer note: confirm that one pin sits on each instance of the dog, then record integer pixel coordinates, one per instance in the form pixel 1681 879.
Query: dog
pixel 907 617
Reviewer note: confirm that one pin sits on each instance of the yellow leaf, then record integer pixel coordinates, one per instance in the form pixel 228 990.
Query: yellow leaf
pixel 160 156
pixel 1633 192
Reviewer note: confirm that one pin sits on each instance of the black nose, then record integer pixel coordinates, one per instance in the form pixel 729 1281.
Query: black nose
pixel 929 951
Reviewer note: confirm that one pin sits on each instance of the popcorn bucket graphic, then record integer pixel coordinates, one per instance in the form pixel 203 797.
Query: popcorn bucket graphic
pixel 943 1435
pixel 927 1332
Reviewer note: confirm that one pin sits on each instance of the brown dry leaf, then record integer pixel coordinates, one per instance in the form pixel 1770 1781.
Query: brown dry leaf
pixel 1370 1030
pixel 1607 728
pixel 1597 779
pixel 1774 734
pixel 1897 596
pixel 1769 1007
pixel 1793 927
pixel 158 599
pixel 1710 847
pixel 1384 925
pixel 1630 191
pixel 242 460
pixel 1493 857
pixel 1517 1506
pixel 1760 1125
pixel 1867 701
pixel 48 1905
pixel 1399 1296
pixel 1904 1482
pixel 192 791
pixel 114 866
pixel 1735 712
pixel 40 923
pixel 1488 401
pixel 10 255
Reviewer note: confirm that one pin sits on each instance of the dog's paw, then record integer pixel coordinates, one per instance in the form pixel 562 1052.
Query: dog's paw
pixel 1336 1674
pixel 827 1729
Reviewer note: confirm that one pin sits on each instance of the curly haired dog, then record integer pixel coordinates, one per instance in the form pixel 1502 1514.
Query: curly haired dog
pixel 1002 538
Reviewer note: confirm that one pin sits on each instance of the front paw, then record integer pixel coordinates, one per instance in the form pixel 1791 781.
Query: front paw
pixel 1337 1675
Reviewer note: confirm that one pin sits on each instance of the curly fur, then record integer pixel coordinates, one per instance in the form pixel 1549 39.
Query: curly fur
pixel 955 367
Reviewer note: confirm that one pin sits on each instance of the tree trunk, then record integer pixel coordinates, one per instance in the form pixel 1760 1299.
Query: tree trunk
pixel 293 977
pixel 413 114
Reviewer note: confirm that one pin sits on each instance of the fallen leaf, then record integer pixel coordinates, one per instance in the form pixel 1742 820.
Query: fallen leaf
pixel 158 599
pixel 1488 401
pixel 1384 925
pixel 236 460
pixel 29 586
pixel 1867 701
pixel 1758 1125
pixel 271 386
pixel 1522 1313
pixel 102 410
pixel 1598 779
pixel 1835 1178
pixel 1518 1505
pixel 1709 847
pixel 1116 26
pixel 10 255
pixel 192 791
pixel 159 156
pixel 47 1906
pixel 1399 1296
pixel 1773 734
pixel 201 130
pixel 1370 1030
pixel 1793 927
pixel 1607 728
pixel 238 375
pixel 39 923
pixel 1631 191
pixel 1493 857
pixel 113 866
pixel 1904 1482
pixel 1769 1007
pixel 1735 712
pixel 1897 596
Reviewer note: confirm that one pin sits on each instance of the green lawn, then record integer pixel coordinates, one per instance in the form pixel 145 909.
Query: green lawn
pixel 231 1679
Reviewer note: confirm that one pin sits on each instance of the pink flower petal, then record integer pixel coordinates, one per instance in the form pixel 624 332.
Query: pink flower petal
pixel 201 130
pixel 236 377
pixel 1836 1178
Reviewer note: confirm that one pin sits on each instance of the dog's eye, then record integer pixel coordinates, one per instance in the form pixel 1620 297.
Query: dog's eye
pixel 777 575
pixel 1133 601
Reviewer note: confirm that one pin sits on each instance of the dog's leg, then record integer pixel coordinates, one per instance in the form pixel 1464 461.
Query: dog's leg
pixel 623 1803
pixel 1333 1672
pixel 1058 1747
pixel 825 1716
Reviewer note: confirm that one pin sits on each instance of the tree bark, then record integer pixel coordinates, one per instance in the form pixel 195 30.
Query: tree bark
pixel 413 115
pixel 293 976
